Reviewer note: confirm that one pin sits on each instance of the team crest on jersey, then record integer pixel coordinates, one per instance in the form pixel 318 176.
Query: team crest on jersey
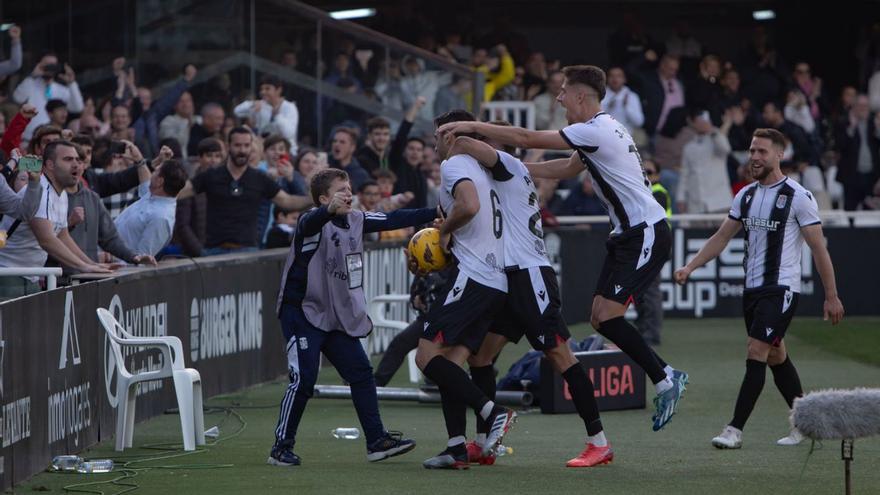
pixel 539 247
pixel 780 201
pixel 491 260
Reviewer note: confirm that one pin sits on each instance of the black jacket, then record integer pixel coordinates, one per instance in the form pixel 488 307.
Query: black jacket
pixel 848 146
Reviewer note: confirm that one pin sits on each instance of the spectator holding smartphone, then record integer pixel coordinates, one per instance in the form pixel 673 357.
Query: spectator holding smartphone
pixel 32 241
pixel 23 206
pixel 43 85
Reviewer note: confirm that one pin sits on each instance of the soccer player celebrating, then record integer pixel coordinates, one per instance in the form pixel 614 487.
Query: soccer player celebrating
pixel 639 243
pixel 533 305
pixel 473 295
pixel 323 310
pixel 778 215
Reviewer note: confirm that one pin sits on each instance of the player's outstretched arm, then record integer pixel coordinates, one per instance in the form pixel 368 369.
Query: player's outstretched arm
pixel 710 250
pixel 291 202
pixel 398 219
pixel 513 136
pixel 832 308
pixel 480 151
pixel 465 206
pixel 561 168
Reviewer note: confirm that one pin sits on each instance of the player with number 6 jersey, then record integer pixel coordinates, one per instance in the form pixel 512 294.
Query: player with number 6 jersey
pixel 533 306
pixel 457 323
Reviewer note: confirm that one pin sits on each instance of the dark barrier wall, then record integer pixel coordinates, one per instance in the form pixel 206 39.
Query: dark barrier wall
pixel 57 380
pixel 715 290
pixel 58 387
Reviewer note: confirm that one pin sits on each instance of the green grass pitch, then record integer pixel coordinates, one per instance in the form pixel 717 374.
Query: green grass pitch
pixel 677 460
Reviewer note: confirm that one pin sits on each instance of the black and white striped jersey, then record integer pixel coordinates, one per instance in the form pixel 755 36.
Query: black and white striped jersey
pixel 608 152
pixel 772 217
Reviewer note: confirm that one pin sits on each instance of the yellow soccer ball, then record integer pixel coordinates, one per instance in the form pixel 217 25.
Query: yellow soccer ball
pixel 425 248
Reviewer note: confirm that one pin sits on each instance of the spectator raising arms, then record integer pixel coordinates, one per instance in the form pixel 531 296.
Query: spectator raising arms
pixel 272 114
pixel 146 226
pixel 42 85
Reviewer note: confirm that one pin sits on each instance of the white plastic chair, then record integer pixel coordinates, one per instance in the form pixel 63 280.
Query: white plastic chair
pixel 187 383
pixel 377 314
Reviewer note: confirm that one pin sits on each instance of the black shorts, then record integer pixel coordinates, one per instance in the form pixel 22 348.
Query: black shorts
pixel 634 260
pixel 533 309
pixel 768 312
pixel 462 312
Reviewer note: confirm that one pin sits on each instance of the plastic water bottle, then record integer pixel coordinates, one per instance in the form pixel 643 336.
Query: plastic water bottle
pixel 212 432
pixel 96 466
pixel 346 433
pixel 502 450
pixel 66 463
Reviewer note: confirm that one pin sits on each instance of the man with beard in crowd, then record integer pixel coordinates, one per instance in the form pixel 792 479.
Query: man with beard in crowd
pixel 234 194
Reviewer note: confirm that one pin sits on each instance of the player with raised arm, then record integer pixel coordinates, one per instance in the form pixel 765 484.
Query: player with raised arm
pixel 778 215
pixel 640 239
pixel 533 304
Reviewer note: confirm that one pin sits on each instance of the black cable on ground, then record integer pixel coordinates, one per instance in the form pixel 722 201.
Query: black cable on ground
pixel 131 466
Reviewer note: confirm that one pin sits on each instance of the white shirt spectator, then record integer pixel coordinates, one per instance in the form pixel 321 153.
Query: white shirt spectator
pixel 147 225
pixel 283 122
pixel 549 114
pixel 801 116
pixel 22 248
pixel 704 186
pixel 177 127
pixel 625 107
pixel 35 91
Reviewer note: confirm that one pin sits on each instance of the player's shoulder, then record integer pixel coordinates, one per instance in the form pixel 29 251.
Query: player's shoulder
pixel 748 189
pixel 801 194
pixel 799 190
pixel 512 163
pixel 459 161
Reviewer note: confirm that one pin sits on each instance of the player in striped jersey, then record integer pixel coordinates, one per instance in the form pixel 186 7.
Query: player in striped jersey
pixel 779 216
pixel 533 306
pixel 639 243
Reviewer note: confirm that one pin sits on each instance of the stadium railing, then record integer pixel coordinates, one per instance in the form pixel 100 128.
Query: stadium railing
pixel 51 274
pixel 830 218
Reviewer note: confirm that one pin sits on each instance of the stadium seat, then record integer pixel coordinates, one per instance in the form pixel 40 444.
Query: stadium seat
pixel 187 383
pixel 377 314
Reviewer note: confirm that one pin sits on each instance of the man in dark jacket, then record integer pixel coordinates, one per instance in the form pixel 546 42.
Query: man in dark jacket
pixel 858 141
pixel 660 88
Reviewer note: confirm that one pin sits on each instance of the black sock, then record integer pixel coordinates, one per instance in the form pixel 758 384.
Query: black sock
pixel 581 388
pixel 457 450
pixel 631 342
pixel 447 374
pixel 751 388
pixel 660 360
pixel 454 413
pixel 785 376
pixel 484 378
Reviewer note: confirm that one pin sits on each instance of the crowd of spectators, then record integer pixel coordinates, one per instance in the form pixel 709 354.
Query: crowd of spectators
pixel 688 108
pixel 174 171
